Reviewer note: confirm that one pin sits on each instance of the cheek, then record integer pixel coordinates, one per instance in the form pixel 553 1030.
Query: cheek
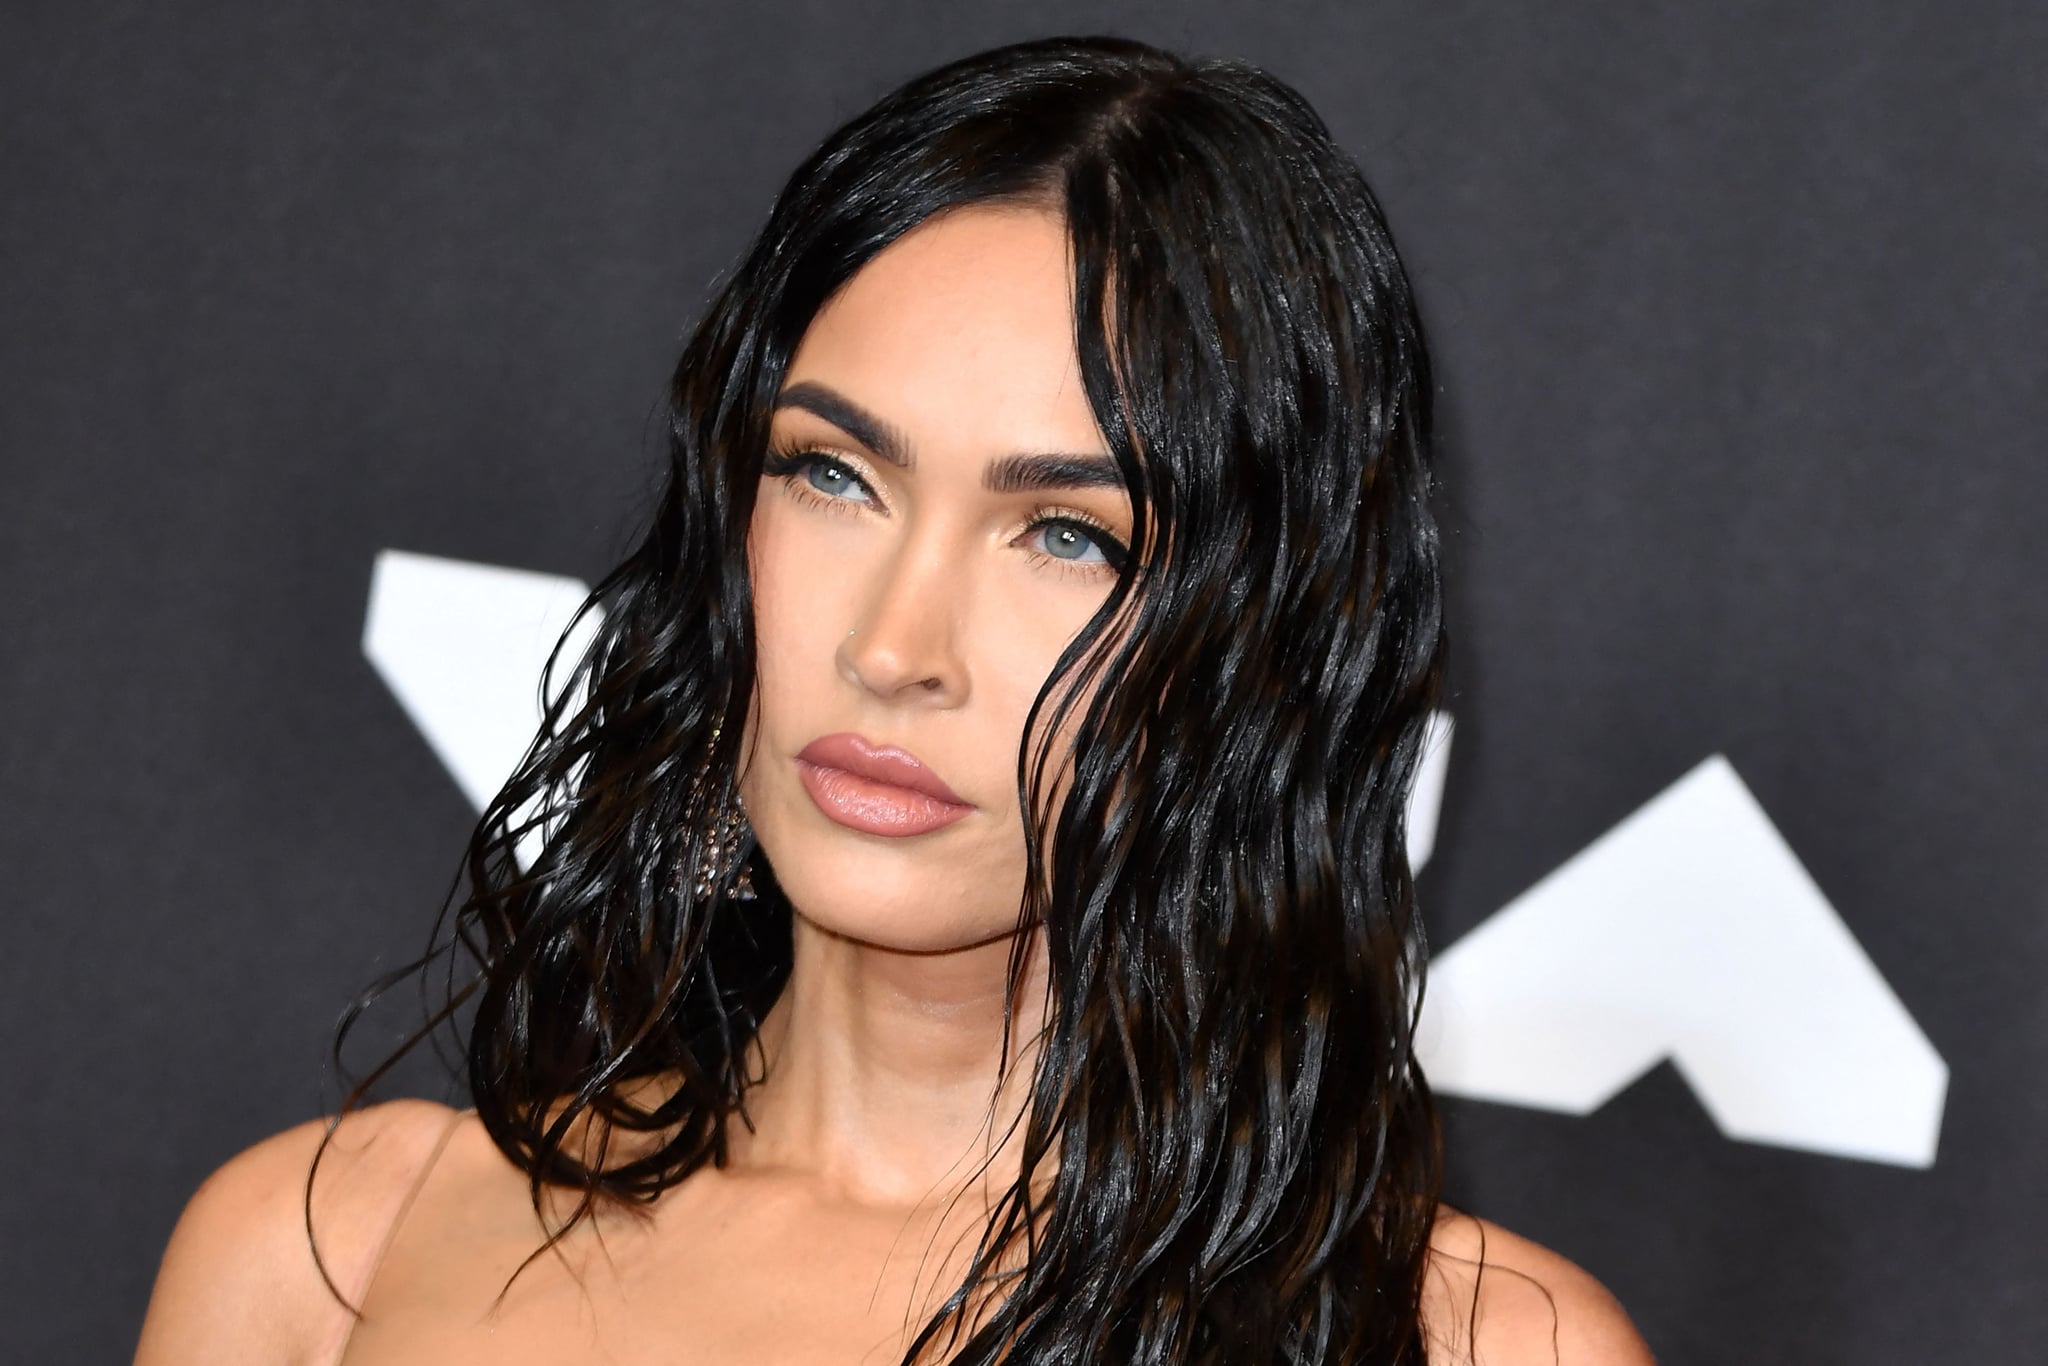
pixel 790 587
pixel 786 616
pixel 1018 651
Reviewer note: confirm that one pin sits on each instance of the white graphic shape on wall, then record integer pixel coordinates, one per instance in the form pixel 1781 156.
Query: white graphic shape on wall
pixel 462 646
pixel 1426 797
pixel 1689 931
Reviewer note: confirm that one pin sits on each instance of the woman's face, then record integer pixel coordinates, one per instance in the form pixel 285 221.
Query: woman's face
pixel 938 518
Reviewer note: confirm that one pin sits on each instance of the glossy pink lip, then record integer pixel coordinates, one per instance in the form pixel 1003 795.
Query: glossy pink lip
pixel 876 788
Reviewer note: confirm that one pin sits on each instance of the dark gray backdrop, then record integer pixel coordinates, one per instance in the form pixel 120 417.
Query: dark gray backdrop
pixel 1738 311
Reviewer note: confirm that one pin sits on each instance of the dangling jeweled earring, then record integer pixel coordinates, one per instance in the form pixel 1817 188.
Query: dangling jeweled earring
pixel 728 839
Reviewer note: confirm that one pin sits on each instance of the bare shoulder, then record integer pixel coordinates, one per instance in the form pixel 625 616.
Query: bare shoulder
pixel 1498 1299
pixel 239 1281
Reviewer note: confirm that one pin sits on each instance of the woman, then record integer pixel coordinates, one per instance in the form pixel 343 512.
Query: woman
pixel 972 922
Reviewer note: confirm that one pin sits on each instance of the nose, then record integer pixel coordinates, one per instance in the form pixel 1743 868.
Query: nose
pixel 905 646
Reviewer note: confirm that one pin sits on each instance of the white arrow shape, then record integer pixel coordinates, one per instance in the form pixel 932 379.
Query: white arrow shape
pixel 1690 932
pixel 1426 796
pixel 462 646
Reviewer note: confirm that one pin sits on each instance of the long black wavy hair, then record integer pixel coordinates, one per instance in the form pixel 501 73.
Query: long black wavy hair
pixel 1245 1156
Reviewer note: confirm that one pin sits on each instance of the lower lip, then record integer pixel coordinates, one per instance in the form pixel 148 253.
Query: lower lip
pixel 875 808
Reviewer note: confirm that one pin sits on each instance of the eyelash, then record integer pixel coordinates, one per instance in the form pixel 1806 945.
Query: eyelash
pixel 787 465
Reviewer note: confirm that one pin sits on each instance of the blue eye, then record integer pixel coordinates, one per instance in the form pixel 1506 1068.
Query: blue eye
pixel 1078 543
pixel 831 478
pixel 821 474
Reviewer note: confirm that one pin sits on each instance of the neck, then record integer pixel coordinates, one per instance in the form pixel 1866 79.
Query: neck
pixel 886 1077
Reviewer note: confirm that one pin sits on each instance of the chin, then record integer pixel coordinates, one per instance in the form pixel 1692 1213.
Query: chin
pixel 870 902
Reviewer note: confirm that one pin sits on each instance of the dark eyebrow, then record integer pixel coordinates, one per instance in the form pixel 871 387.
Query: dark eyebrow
pixel 849 417
pixel 1036 473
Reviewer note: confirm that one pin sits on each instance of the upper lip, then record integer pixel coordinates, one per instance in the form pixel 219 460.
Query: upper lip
pixel 854 754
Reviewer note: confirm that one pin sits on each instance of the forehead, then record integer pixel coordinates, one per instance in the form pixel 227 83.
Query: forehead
pixel 961 332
